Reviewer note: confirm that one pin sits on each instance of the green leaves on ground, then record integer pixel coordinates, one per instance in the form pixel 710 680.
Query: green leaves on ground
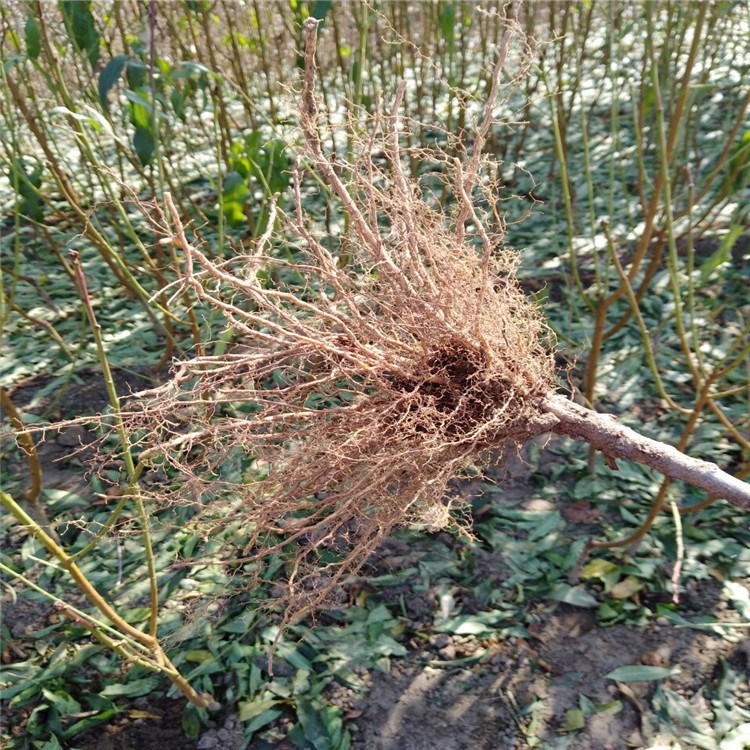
pixel 639 673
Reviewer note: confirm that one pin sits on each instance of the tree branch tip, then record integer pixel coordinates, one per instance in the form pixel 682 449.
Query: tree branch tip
pixel 311 24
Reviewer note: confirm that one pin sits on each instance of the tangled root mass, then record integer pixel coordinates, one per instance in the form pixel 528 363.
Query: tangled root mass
pixel 359 390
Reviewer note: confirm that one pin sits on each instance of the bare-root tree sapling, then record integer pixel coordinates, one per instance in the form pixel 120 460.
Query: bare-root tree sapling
pixel 360 391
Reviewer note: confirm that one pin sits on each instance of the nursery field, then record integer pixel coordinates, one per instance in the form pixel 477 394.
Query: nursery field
pixel 311 317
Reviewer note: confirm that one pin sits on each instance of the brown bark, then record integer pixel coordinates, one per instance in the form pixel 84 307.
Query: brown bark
pixel 617 441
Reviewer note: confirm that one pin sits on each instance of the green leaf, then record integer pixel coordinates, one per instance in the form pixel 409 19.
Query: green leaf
pixel 546 527
pixel 739 166
pixel 599 568
pixel 649 99
pixel 191 722
pixel 233 198
pixel 239 625
pixel 321 726
pixel 575 595
pixel 90 722
pixel 85 119
pixel 274 164
pixel 586 705
pixel 198 656
pixel 301 682
pixel 574 720
pixel 740 598
pixel 141 109
pixel 32 36
pixel 20 692
pixel 294 657
pixel 109 76
pixel 61 701
pixel 177 100
pixel 257 714
pixel 251 709
pixel 134 688
pixel 27 186
pixel 234 188
pixel 448 22
pixel 144 145
pixel 722 254
pixel 613 707
pixel 356 72
pixel 81 27
pixel 10 61
pixel 198 6
pixel 380 614
pixel 479 623
pixel 135 74
pixel 626 587
pixel 639 673
pixel 52 744
pixel 609 611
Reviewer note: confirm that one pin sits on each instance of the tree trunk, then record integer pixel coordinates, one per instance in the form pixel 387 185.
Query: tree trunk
pixel 616 441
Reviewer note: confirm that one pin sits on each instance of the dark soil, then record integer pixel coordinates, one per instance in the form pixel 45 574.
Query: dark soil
pixel 153 723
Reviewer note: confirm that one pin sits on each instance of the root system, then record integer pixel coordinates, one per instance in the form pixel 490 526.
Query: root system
pixel 373 368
